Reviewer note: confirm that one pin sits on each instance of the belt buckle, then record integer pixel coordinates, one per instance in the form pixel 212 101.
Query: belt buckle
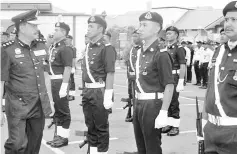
pixel 217 121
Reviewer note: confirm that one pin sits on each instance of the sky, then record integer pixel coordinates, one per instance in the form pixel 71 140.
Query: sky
pixel 114 7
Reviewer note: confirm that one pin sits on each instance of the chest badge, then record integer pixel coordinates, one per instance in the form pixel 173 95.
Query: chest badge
pixel 17 51
pixel 144 73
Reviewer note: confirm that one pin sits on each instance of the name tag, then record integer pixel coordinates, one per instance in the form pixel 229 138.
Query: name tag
pixel 19 56
pixel 40 52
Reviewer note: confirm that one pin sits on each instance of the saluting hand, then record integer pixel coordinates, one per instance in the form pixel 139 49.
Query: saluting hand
pixel 161 119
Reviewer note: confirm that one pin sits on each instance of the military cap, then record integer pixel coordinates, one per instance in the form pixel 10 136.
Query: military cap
pixel 189 42
pixel 230 7
pixel 4 33
pixel 97 20
pixel 183 42
pixel 151 16
pixel 29 16
pixel 208 42
pixel 199 41
pixel 222 30
pixel 69 37
pixel 63 26
pixel 108 33
pixel 172 28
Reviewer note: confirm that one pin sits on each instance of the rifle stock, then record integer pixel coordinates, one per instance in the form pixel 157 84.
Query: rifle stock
pixel 201 147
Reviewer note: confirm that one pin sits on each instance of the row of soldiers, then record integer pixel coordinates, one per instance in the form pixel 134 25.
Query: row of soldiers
pixel 158 75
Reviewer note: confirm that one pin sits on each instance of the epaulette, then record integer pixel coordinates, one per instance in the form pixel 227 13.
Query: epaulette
pixel 41 40
pixel 107 44
pixel 7 44
pixel 163 50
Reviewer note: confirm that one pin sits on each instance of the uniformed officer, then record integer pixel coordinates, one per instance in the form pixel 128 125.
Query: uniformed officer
pixel 189 65
pixel 98 76
pixel 4 37
pixel 72 91
pixel 23 62
pixel 187 56
pixel 196 59
pixel 220 108
pixel 204 61
pixel 223 36
pixel 60 62
pixel 154 86
pixel 178 54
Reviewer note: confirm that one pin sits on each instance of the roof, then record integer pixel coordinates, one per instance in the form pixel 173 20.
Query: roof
pixel 198 19
pixel 219 21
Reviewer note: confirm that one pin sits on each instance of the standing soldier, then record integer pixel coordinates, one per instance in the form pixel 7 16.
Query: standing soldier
pixel 98 76
pixel 204 61
pixel 196 59
pixel 189 65
pixel 23 66
pixel 4 37
pixel 223 37
pixel 220 108
pixel 178 71
pixel 60 63
pixel 154 86
pixel 72 89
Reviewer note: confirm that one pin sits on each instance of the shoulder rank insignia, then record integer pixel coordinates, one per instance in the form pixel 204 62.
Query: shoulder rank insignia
pixel 41 40
pixel 6 44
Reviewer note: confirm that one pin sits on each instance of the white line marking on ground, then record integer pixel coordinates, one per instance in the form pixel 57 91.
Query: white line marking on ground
pixel 55 150
pixel 78 142
pixel 190 99
pixel 188 131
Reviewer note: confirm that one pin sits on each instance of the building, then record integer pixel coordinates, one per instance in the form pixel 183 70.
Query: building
pixel 48 14
pixel 200 24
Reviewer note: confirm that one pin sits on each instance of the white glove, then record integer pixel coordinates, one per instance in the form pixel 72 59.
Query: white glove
pixel 108 103
pixel 199 138
pixel 73 70
pixel 52 108
pixel 161 119
pixel 180 86
pixel 63 90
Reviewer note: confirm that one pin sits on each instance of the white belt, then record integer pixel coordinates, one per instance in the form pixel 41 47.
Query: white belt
pixel 147 96
pixel 94 85
pixel 60 76
pixel 131 73
pixel 222 121
pixel 175 71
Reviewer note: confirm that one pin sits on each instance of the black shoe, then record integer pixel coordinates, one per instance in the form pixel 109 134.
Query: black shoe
pixel 173 132
pixel 55 138
pixel 60 142
pixel 70 98
pixel 203 87
pixel 166 129
pixel 129 119
pixel 199 84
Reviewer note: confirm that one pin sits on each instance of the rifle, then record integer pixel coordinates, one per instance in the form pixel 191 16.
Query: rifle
pixel 85 141
pixel 201 147
pixel 131 100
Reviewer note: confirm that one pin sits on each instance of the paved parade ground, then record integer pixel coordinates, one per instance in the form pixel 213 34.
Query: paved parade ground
pixel 121 133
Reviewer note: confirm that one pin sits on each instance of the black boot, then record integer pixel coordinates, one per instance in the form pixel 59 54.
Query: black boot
pixel 55 138
pixel 166 129
pixel 60 142
pixel 173 132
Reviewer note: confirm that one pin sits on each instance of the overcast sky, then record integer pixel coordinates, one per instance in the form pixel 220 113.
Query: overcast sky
pixel 123 6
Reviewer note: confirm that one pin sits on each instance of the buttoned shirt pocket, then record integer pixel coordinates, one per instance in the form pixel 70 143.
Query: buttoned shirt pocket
pixel 21 65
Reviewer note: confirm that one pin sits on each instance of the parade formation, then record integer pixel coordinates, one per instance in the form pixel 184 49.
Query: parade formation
pixel 38 82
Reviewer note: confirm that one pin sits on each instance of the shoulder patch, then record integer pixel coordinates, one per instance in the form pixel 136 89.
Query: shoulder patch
pixel 7 44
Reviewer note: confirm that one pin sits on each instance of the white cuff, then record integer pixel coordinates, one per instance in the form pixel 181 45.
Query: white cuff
pixel 108 94
pixel 63 132
pixel 163 113
pixel 173 122
pixel 64 87
pixel 3 102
